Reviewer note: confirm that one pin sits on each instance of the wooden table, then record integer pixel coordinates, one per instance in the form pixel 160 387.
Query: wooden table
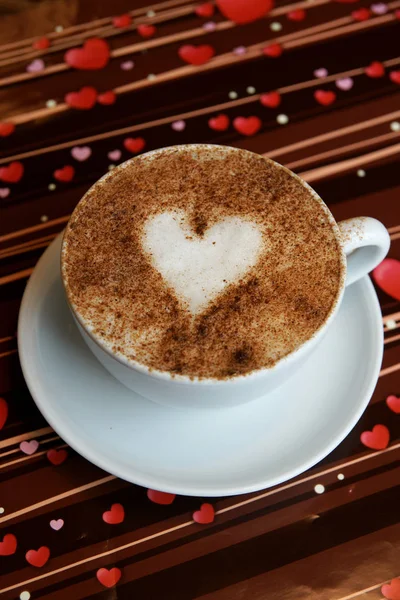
pixel 334 118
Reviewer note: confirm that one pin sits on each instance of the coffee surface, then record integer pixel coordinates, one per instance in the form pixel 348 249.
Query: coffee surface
pixel 203 261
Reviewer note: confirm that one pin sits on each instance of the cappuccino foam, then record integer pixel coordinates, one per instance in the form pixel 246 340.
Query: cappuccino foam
pixel 202 261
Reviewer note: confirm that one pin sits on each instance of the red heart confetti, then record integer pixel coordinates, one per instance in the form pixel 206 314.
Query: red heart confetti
pixel 41 44
pixel 205 515
pixel 85 99
pixel 38 558
pixel 391 590
pixel 145 30
pixel 3 412
pixel 57 457
pixel 160 497
pixel 397 14
pixel 109 578
pixel 29 447
pixel 362 14
pixel 6 129
pixel 114 516
pixel 94 55
pixel 219 123
pixel 271 99
pixel 273 50
pixel 247 125
pixel 296 15
pixel 205 10
pixel 244 11
pixel 377 439
pixel 122 21
pixel 107 98
pixel 393 76
pixel 387 276
pixel 325 97
pixel 393 402
pixel 134 145
pixel 12 173
pixel 9 545
pixel 375 69
pixel 196 55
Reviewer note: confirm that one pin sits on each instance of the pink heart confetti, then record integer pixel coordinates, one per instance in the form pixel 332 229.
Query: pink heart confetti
pixel 4 192
pixel 56 524
pixel 114 155
pixel 345 84
pixel 210 26
pixel 127 65
pixel 81 153
pixel 379 8
pixel 322 72
pixel 240 50
pixel 29 447
pixel 178 125
pixel 35 66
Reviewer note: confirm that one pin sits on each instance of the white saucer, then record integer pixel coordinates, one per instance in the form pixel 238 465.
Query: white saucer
pixel 197 452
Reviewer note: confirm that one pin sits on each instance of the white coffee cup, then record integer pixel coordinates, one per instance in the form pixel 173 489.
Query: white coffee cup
pixel 364 243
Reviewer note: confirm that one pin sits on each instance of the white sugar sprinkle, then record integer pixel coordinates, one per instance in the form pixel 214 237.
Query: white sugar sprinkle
pixel 282 119
pixel 275 26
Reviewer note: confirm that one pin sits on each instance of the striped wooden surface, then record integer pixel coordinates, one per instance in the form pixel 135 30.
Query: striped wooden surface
pixel 287 542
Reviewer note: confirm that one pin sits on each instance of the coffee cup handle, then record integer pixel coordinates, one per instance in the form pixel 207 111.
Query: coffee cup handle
pixel 365 242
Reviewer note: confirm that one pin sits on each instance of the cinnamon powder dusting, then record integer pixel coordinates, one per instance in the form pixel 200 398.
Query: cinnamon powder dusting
pixel 254 322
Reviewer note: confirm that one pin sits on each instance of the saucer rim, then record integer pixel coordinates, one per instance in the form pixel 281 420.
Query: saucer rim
pixel 149 481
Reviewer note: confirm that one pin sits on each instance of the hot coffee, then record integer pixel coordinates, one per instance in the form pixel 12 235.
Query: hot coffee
pixel 204 261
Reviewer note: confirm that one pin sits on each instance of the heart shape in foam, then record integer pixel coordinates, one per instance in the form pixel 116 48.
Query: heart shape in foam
pixel 199 268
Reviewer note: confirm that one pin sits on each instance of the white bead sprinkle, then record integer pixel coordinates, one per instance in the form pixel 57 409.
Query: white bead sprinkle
pixel 44 218
pixel 340 476
pixel 2 510
pixel 319 488
pixel 151 76
pixel 275 26
pixel 251 89
pixel 233 95
pixel 391 324
pixel 111 167
pixel 24 595
pixel 52 187
pixel 282 119
pixel 395 126
pixel 59 28
pixel 150 13
pixel 51 103
pixel 361 173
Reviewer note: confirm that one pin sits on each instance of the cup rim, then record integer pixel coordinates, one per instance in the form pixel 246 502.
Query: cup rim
pixel 285 361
